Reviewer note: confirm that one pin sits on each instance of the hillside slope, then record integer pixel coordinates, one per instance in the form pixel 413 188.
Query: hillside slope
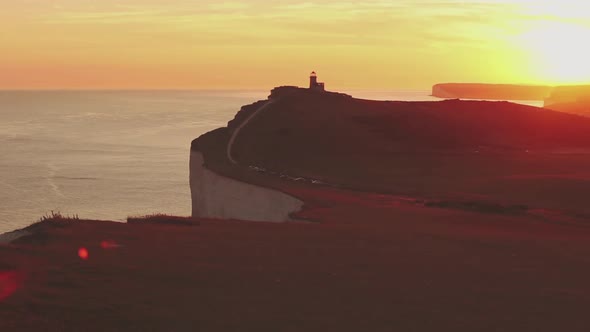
pixel 468 150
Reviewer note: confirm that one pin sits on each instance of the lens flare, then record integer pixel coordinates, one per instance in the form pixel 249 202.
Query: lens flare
pixel 109 244
pixel 83 253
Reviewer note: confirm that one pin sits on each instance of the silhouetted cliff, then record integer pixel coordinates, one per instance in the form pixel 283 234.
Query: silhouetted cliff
pixel 571 99
pixel 302 124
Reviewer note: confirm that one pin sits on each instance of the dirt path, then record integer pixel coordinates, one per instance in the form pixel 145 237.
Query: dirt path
pixel 237 131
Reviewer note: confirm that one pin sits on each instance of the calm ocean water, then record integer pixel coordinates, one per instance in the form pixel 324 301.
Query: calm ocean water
pixel 110 155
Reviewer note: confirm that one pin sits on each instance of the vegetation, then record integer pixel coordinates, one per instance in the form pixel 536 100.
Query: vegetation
pixel 57 216
pixel 159 218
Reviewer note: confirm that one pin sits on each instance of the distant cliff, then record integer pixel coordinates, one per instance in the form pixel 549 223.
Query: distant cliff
pixel 570 99
pixel 490 91
pixel 568 94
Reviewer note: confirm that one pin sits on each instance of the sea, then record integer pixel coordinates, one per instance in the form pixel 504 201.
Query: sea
pixel 108 155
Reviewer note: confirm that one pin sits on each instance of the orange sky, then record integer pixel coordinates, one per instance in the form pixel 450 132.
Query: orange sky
pixel 206 44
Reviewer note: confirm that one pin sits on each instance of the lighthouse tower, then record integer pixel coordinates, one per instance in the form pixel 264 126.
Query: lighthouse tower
pixel 314 84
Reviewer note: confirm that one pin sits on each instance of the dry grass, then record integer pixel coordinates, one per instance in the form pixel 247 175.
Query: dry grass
pixel 159 218
pixel 57 216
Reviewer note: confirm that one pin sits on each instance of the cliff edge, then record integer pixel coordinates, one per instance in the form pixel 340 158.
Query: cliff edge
pixel 423 149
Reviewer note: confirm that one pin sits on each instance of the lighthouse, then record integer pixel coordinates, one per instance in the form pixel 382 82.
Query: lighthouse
pixel 314 84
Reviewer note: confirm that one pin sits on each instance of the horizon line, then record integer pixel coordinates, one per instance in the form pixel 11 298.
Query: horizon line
pixel 267 88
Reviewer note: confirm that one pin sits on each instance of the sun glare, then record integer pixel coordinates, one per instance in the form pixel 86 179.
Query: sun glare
pixel 560 10
pixel 558 52
pixel 556 41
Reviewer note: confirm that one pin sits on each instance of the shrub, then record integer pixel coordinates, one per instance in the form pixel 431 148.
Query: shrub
pixel 163 219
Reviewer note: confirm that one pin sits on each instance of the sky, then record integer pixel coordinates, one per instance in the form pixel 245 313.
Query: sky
pixel 259 44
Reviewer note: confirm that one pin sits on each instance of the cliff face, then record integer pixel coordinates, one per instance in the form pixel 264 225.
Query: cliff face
pixel 219 197
pixel 568 94
pixel 573 99
pixel 220 190
pixel 490 91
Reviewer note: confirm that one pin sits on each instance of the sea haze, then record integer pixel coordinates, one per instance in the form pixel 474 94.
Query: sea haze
pixel 110 154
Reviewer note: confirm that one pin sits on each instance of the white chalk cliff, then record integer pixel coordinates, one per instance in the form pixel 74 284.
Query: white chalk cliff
pixel 219 197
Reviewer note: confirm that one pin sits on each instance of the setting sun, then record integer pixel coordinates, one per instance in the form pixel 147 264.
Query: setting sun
pixel 371 44
pixel 558 53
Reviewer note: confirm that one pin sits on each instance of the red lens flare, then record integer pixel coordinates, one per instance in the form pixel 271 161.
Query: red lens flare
pixel 83 253
pixel 109 244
